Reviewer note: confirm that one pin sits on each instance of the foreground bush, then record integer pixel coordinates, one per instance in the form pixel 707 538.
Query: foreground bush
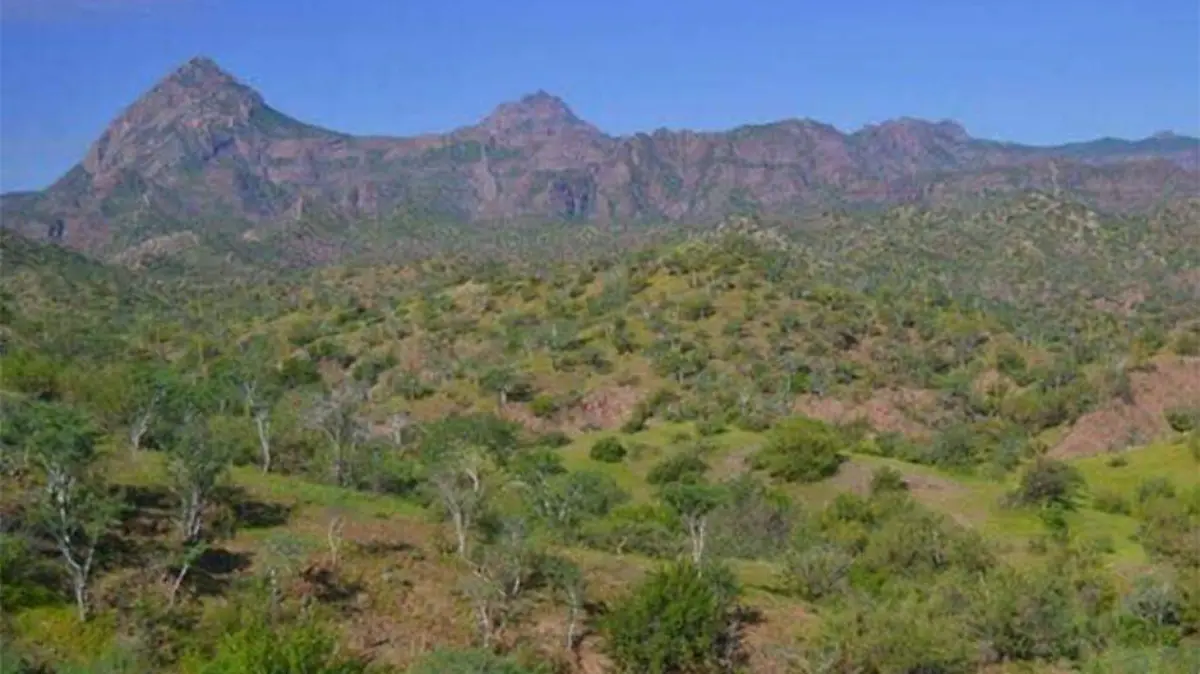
pixel 680 619
pixel 608 450
pixel 801 450
pixel 260 647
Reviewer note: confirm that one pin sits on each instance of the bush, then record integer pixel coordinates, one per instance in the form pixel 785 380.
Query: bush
pixel 886 479
pixel 543 406
pixel 684 467
pixel 608 450
pixel 1155 488
pixel 817 571
pixel 801 450
pixel 1183 419
pixel 710 426
pixel 554 439
pixel 475 661
pixel 910 633
pixel 679 620
pixel 260 647
pixel 1111 502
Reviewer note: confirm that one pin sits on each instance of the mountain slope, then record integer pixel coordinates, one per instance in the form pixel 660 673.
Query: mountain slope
pixel 203 152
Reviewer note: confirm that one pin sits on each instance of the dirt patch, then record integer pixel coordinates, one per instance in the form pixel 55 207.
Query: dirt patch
pixel 1169 382
pixel 897 410
pixel 604 408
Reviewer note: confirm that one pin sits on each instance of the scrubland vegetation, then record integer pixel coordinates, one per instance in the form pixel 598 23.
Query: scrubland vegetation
pixel 896 447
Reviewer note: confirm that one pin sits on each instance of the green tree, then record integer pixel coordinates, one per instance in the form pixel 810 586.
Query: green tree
pixel 1048 482
pixel 570 586
pixel 196 466
pixel 693 503
pixel 73 506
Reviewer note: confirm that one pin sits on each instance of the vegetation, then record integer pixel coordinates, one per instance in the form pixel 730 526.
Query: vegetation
pixel 743 452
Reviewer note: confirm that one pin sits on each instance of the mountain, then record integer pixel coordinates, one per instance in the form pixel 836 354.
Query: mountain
pixel 203 152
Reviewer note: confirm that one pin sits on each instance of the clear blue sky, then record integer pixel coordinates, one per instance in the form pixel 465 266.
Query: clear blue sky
pixel 1041 72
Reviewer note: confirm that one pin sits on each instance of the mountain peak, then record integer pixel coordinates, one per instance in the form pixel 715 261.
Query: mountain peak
pixel 199 71
pixel 536 112
pixel 179 112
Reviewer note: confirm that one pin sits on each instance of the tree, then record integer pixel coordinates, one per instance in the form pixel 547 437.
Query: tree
pixel 148 388
pixel 336 414
pixel 260 390
pixel 457 473
pixel 692 503
pixel 72 507
pixel 507 384
pixel 570 586
pixel 196 466
pixel 1049 482
pixel 678 620
pixel 560 500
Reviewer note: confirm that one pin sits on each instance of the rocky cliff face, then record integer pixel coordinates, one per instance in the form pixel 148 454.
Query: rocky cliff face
pixel 202 149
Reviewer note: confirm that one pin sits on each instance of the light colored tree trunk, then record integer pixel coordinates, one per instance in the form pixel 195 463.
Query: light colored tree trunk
pixel 263 423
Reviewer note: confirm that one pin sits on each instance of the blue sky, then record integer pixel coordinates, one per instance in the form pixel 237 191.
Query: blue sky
pixel 1037 72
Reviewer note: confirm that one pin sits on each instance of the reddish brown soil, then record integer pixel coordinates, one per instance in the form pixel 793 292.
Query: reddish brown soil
pixel 603 408
pixel 887 410
pixel 1171 382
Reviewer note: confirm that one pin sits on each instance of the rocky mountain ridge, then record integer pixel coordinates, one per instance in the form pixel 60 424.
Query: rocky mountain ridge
pixel 202 150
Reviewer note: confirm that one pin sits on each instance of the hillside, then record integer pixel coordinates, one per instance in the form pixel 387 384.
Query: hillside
pixel 202 153
pixel 951 439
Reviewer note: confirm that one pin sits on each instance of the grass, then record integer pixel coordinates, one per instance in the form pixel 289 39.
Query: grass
pixel 646 448
pixel 1171 460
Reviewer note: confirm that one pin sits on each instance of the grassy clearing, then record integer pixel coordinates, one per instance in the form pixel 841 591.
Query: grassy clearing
pixel 1170 460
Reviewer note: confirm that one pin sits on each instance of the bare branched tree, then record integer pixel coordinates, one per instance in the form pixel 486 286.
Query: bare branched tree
pixel 337 415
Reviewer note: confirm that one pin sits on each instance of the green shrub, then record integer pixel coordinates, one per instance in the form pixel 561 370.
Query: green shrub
pixel 682 467
pixel 474 661
pixel 710 426
pixel 679 620
pixel 1188 343
pixel 261 647
pixel 369 369
pixel 543 406
pixel 817 571
pixel 642 528
pixel 801 450
pixel 1155 488
pixel 554 439
pixel 1111 502
pixel 1183 419
pixel 608 450
pixel 885 479
pixel 410 386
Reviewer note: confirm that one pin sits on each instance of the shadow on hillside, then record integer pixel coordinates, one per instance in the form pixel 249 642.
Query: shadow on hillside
pixel 377 547
pixel 215 570
pixel 253 514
